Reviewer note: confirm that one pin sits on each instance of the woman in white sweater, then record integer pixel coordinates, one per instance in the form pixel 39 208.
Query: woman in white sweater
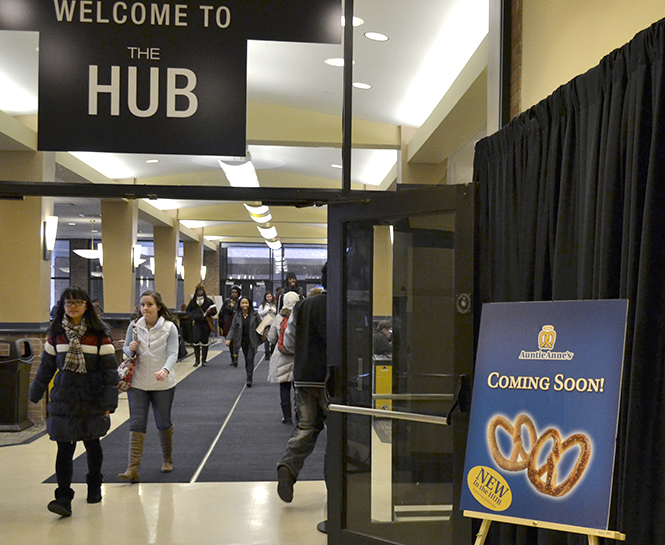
pixel 281 363
pixel 153 383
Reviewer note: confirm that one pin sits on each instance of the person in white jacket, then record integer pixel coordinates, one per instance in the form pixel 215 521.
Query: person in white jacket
pixel 153 382
pixel 281 363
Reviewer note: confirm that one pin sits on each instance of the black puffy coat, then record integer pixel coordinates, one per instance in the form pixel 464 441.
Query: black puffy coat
pixel 78 402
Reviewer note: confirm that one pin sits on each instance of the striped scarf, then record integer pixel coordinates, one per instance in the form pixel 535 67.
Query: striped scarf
pixel 74 360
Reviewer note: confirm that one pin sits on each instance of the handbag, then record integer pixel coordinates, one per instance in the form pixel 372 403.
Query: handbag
pixel 127 367
pixel 211 323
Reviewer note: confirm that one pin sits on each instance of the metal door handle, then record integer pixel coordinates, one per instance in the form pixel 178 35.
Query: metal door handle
pixel 395 415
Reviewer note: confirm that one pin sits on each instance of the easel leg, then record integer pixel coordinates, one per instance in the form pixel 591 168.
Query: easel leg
pixel 593 540
pixel 482 533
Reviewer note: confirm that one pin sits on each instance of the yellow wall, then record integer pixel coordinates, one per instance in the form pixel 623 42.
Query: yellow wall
pixel 562 39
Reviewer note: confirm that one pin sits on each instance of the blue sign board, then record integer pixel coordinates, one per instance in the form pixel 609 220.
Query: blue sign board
pixel 544 414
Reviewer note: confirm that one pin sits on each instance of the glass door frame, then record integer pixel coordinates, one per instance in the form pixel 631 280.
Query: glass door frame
pixel 386 205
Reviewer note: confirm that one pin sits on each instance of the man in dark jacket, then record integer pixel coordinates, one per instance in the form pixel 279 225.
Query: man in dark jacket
pixel 305 336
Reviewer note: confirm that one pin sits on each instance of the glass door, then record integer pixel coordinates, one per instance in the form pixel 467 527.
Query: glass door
pixel 401 343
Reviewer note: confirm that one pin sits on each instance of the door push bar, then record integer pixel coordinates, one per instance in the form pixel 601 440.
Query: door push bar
pixel 462 400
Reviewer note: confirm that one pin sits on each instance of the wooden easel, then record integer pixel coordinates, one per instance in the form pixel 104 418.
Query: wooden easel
pixel 592 533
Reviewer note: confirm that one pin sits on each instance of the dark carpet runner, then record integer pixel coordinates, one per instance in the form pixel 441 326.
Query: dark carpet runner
pixel 248 448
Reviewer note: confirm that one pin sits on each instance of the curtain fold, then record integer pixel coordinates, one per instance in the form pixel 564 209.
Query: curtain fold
pixel 572 206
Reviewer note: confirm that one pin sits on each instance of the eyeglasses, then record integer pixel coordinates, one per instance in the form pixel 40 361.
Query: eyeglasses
pixel 74 303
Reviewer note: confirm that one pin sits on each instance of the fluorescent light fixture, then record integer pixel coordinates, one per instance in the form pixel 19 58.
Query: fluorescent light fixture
pixel 363 86
pixel 106 163
pixel 152 161
pixel 87 253
pixel 50 233
pixel 378 167
pixel 268 232
pixel 334 165
pixel 274 244
pixel 14 99
pixel 336 61
pixel 261 219
pixel 100 254
pixel 463 32
pixel 243 175
pixel 204 270
pixel 257 210
pixel 179 267
pixel 151 265
pixel 357 21
pixel 376 36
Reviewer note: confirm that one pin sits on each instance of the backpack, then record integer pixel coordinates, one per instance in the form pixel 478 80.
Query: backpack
pixel 280 340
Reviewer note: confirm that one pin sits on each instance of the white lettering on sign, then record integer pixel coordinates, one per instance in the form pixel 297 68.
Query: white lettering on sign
pixel 138 13
pixel 222 16
pixel 172 91
pixel 94 88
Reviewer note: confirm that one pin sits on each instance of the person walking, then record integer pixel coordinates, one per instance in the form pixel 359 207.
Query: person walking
pixel 306 337
pixel 198 310
pixel 281 363
pixel 228 311
pixel 153 383
pixel 243 335
pixel 291 285
pixel 80 353
pixel 267 308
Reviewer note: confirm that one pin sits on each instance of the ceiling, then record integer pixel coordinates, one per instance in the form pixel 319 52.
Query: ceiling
pixel 291 91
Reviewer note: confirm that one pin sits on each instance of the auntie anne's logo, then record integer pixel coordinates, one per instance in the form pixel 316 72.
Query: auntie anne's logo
pixel 546 341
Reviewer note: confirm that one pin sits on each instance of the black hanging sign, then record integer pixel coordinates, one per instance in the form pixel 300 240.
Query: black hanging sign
pixel 163 77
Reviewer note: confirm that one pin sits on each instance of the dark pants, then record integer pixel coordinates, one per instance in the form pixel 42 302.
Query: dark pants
pixel 285 398
pixel 249 351
pixel 312 411
pixel 64 465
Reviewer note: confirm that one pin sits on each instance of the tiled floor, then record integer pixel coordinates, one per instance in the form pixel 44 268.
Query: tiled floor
pixel 140 514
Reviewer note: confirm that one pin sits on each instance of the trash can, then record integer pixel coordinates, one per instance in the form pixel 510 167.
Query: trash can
pixel 15 362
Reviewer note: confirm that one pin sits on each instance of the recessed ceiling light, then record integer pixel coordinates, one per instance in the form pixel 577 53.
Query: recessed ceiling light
pixel 72 223
pixel 376 36
pixel 357 21
pixel 334 62
pixel 152 161
pixel 364 86
pixel 335 166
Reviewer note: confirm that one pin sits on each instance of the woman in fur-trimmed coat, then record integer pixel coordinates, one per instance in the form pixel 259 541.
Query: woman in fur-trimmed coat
pixel 83 395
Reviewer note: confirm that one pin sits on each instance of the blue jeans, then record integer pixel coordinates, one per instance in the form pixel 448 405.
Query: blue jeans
pixel 139 403
pixel 312 411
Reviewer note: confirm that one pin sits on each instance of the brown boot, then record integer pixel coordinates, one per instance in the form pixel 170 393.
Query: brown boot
pixel 136 442
pixel 166 441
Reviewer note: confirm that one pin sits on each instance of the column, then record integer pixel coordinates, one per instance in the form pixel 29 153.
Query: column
pixel 192 260
pixel 119 227
pixel 166 241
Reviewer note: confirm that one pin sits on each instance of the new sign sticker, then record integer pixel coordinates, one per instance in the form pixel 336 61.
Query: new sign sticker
pixel 545 409
pixel 165 77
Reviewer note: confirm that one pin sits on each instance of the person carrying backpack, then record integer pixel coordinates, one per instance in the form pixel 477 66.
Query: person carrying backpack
pixel 281 362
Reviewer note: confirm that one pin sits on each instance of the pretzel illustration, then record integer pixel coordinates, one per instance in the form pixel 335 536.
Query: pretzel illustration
pixel 548 484
pixel 519 457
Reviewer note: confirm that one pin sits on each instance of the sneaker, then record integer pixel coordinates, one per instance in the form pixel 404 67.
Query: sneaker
pixel 285 482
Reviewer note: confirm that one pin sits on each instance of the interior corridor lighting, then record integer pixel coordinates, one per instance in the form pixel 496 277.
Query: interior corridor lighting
pixel 274 244
pixel 268 232
pixel 179 267
pixel 100 254
pixel 204 270
pixel 242 175
pixel 50 233
pixel 89 253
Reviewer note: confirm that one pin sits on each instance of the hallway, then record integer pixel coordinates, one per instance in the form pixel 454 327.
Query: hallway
pixel 165 514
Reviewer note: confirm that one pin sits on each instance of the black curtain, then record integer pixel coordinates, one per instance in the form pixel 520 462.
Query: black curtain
pixel 572 206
